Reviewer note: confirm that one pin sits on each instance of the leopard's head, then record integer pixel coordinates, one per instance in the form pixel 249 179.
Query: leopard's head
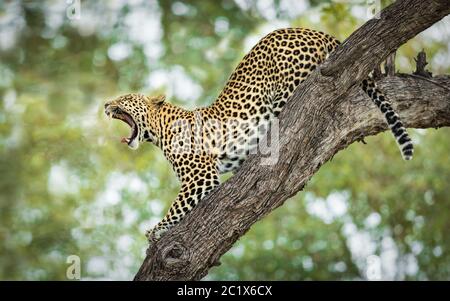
pixel 140 113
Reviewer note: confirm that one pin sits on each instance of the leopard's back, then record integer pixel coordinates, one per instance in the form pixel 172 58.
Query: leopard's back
pixel 261 84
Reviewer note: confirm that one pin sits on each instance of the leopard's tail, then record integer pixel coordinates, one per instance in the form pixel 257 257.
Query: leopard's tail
pixel 398 130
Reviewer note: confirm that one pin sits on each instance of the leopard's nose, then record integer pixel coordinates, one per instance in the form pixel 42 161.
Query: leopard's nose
pixel 108 108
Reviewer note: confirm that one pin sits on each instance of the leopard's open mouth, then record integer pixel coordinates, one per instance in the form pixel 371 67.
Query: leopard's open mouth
pixel 119 114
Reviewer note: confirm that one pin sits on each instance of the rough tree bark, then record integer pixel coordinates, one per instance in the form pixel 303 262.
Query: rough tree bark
pixel 326 114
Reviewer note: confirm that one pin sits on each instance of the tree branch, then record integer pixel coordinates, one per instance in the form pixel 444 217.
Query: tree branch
pixel 326 114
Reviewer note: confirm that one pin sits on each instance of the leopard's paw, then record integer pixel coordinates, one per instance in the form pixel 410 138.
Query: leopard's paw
pixel 154 234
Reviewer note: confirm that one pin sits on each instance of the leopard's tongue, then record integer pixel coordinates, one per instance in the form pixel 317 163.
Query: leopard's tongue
pixel 125 140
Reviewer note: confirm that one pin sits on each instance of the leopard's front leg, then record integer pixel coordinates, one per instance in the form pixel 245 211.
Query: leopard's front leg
pixel 172 217
pixel 195 187
pixel 177 210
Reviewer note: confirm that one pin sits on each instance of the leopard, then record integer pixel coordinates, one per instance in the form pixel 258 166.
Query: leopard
pixel 206 142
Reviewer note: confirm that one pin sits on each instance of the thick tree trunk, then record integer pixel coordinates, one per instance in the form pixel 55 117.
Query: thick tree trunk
pixel 326 114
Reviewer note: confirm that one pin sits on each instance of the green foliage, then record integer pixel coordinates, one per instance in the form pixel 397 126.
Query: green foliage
pixel 69 187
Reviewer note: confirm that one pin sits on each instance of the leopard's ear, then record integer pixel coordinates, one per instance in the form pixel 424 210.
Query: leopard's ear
pixel 157 100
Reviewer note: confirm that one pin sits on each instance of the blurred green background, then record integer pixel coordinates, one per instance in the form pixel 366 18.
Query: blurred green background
pixel 69 187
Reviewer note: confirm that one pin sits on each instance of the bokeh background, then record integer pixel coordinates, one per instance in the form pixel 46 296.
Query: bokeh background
pixel 69 187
